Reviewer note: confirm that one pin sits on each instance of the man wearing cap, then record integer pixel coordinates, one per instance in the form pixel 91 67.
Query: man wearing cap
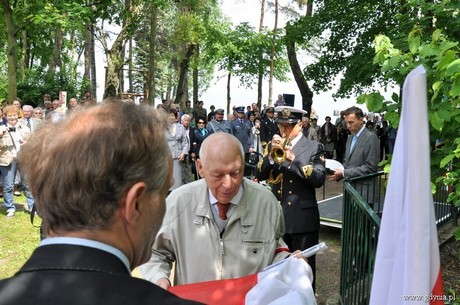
pixel 242 130
pixel 268 128
pixel 294 180
pixel 218 124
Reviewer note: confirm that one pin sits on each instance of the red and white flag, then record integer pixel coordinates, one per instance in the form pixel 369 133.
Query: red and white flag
pixel 287 283
pixel 407 267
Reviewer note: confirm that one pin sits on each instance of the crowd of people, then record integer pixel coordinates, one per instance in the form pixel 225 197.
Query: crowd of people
pixel 18 124
pixel 172 190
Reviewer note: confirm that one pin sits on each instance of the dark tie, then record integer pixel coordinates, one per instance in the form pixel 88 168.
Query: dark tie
pixel 28 123
pixel 223 208
pixel 241 121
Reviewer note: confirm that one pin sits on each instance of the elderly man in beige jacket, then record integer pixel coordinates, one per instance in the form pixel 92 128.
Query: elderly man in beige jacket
pixel 220 227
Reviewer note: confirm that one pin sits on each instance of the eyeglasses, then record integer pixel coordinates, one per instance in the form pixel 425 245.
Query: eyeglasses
pixel 38 113
pixel 200 122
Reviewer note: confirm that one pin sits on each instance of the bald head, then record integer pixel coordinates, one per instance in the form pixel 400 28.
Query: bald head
pixel 220 144
pixel 221 164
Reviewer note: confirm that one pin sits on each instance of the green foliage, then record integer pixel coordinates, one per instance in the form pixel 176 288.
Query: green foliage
pixel 440 56
pixel 39 82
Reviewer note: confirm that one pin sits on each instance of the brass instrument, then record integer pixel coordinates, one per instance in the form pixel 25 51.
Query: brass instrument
pixel 279 154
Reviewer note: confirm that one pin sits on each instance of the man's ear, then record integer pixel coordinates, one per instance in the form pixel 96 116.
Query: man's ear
pixel 199 165
pixel 132 207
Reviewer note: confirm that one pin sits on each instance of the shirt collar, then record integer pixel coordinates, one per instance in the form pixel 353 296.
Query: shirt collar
pixel 88 243
pixel 234 200
pixel 296 139
pixel 360 131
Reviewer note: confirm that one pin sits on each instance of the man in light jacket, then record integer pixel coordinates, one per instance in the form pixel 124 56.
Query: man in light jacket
pixel 220 227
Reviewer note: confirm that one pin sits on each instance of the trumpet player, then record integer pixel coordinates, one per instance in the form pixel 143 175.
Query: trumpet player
pixel 293 165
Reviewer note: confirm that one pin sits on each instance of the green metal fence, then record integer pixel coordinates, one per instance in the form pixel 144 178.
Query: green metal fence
pixel 363 200
pixel 360 229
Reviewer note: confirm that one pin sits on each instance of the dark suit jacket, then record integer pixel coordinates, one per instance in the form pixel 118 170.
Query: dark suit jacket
pixel 364 158
pixel 68 274
pixel 268 130
pixel 294 185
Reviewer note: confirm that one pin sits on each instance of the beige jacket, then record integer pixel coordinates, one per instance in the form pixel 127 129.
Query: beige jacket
pixel 7 148
pixel 189 236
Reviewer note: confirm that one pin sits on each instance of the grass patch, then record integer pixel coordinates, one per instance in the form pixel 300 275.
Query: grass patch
pixel 17 240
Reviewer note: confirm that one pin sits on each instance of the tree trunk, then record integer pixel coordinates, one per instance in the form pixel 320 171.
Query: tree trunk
pixel 195 74
pixel 272 57
pixel 115 57
pixel 183 70
pixel 87 70
pixel 114 65
pixel 150 92
pixel 130 65
pixel 229 99
pixel 24 59
pixel 305 91
pixel 307 94
pixel 56 55
pixel 92 55
pixel 261 65
pixel 11 50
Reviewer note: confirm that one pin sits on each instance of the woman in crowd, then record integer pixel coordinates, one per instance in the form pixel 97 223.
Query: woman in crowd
pixel 178 144
pixel 12 135
pixel 38 113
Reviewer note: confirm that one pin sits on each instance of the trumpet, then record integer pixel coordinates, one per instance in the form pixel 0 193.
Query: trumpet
pixel 279 154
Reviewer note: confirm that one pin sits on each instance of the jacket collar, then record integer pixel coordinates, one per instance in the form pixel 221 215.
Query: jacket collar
pixel 242 211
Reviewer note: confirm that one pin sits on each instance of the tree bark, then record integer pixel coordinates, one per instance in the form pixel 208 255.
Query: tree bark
pixel 87 70
pixel 306 93
pixel 183 70
pixel 261 65
pixel 272 57
pixel 24 58
pixel 115 57
pixel 92 54
pixel 11 50
pixel 229 99
pixel 150 92
pixel 195 74
pixel 56 55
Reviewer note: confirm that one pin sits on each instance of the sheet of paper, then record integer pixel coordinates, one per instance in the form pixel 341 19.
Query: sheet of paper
pixel 333 165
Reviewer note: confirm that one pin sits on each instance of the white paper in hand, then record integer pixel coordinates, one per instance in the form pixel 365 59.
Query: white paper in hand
pixel 333 165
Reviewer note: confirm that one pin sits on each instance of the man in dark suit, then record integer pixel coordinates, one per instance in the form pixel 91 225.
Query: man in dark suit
pixel 362 155
pixel 101 222
pixel 242 130
pixel 362 151
pixel 268 127
pixel 293 181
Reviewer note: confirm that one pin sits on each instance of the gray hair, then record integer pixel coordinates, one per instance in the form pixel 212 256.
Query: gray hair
pixel 80 168
pixel 27 107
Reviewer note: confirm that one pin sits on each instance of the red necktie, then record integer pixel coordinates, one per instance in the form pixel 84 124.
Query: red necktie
pixel 223 208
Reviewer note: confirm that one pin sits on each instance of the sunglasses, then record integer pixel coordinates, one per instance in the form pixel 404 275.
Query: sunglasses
pixel 200 122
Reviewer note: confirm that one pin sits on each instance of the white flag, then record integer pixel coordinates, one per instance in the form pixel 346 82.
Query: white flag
pixel 407 267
